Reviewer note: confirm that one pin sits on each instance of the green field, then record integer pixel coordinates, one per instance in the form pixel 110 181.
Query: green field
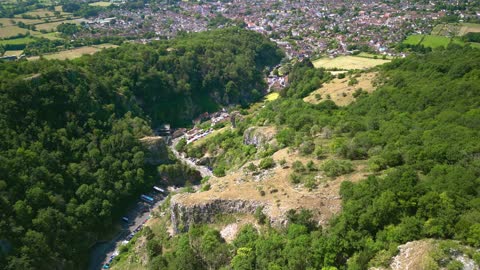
pixel 444 34
pixel 16 41
pixel 51 35
pixel 413 40
pixel 433 41
pixel 348 62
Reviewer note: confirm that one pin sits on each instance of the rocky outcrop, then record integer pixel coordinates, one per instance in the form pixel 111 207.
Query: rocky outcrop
pixel 157 150
pixel 258 136
pixel 183 215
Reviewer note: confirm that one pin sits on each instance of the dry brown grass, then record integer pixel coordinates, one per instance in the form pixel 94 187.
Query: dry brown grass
pixel 339 90
pixel 413 255
pixel 13 53
pixel 43 13
pixel 10 31
pixel 52 26
pixel 280 195
pixel 69 54
pixel 348 62
pixel 9 21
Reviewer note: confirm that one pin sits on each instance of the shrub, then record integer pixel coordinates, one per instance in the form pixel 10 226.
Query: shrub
pixel 260 216
pixel 295 178
pixel 286 136
pixel 319 152
pixel 307 148
pixel 219 171
pixel 352 81
pixel 298 166
pixel 310 182
pixel 334 167
pixel 311 166
pixel 359 92
pixel 180 147
pixel 266 163
pixel 206 187
pixel 251 167
pixel 205 180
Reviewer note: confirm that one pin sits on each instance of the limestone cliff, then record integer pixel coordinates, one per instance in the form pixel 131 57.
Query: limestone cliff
pixel 184 214
pixel 258 136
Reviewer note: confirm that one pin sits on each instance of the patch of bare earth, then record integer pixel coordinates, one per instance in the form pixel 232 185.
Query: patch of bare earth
pixel 340 92
pixel 230 231
pixel 413 255
pixel 273 189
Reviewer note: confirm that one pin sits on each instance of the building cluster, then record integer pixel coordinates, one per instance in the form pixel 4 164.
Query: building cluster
pixel 215 118
pixel 304 28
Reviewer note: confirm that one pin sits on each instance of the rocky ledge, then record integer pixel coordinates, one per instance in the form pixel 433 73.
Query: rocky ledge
pixel 183 215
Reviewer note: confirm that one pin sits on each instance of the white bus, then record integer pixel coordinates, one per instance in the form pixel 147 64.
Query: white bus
pixel 158 189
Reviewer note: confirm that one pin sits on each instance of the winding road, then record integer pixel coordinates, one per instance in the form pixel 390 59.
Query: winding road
pixel 102 251
pixel 204 171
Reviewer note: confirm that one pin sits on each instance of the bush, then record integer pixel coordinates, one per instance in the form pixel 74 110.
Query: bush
pixel 310 182
pixel 251 167
pixel 359 92
pixel 266 163
pixel 307 148
pixel 260 216
pixel 311 166
pixel 298 166
pixel 352 81
pixel 205 180
pixel 319 152
pixel 295 178
pixel 334 167
pixel 286 136
pixel 206 187
pixel 219 171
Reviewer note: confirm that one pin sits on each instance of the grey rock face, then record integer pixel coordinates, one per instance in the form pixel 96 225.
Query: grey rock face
pixel 258 136
pixel 182 216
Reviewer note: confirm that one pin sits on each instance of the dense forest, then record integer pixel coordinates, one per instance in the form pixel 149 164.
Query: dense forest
pixel 177 80
pixel 70 158
pixel 419 132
